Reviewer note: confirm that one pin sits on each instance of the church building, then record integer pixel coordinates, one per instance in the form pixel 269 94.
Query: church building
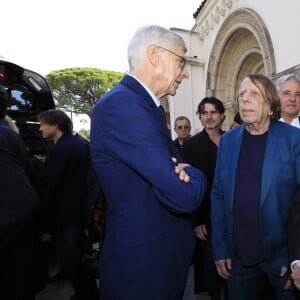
pixel 230 39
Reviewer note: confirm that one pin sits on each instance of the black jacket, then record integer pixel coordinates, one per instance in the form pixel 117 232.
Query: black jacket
pixel 200 152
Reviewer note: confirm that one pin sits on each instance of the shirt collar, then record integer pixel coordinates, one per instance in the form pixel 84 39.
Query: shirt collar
pixel 295 122
pixel 154 98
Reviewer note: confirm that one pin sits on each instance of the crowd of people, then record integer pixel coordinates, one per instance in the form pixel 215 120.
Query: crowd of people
pixel 49 207
pixel 252 193
pixel 226 203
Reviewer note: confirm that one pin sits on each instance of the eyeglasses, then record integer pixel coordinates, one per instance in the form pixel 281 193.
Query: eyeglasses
pixel 183 59
pixel 183 127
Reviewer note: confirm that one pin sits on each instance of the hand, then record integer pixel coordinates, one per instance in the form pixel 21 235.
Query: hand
pixel 296 274
pixel 46 237
pixel 201 232
pixel 288 284
pixel 223 267
pixel 179 169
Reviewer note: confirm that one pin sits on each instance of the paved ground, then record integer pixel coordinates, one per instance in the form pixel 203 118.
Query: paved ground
pixel 189 289
pixel 62 290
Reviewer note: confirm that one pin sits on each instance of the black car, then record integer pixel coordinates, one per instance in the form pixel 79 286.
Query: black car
pixel 30 94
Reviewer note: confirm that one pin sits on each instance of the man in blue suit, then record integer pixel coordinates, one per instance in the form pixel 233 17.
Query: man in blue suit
pixel 258 168
pixel 149 239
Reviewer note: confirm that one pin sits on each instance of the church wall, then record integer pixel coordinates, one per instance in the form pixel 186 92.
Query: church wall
pixel 273 52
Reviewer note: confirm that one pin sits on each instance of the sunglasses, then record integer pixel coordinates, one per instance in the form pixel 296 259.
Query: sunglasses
pixel 182 127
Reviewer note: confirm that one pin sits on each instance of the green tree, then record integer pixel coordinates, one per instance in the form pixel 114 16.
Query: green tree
pixel 83 122
pixel 78 89
pixel 85 133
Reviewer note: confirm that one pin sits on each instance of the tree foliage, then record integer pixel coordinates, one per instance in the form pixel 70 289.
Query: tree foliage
pixel 85 133
pixel 78 89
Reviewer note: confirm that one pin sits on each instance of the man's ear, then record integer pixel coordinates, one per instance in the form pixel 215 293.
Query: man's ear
pixel 153 54
pixel 223 117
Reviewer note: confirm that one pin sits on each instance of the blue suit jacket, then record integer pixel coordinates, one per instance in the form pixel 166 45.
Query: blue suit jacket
pixel 148 240
pixel 280 174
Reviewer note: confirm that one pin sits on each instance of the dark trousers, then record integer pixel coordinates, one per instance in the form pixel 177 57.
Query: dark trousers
pixel 206 276
pixel 18 270
pixel 247 282
pixel 70 246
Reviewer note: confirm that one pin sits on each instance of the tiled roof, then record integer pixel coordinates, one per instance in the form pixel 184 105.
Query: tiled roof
pixel 196 13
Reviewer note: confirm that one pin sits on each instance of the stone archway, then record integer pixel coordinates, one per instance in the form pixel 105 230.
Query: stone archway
pixel 242 46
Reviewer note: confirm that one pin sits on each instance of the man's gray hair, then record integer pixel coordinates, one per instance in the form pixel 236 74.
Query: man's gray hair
pixel 181 118
pixel 288 77
pixel 151 35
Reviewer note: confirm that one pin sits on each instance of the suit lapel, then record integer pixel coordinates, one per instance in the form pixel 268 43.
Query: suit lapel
pixel 134 85
pixel 165 131
pixel 234 151
pixel 269 161
pixel 269 164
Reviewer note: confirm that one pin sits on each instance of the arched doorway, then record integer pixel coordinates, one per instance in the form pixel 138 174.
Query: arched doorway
pixel 242 46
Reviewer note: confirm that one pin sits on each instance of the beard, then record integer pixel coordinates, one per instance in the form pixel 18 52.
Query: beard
pixel 212 125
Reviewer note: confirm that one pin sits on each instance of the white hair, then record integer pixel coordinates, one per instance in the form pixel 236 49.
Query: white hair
pixel 288 77
pixel 150 35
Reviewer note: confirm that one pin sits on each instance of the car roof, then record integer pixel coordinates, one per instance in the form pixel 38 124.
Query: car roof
pixel 30 92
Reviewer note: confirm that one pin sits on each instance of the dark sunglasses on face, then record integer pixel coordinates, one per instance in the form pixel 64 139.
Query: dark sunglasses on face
pixel 183 127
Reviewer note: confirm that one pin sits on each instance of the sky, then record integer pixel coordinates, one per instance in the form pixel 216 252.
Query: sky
pixel 44 36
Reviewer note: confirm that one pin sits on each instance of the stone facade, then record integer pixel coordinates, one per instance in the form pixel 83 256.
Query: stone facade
pixel 230 39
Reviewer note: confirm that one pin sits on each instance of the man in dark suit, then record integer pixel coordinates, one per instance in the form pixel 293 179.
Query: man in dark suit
pixel 257 170
pixel 201 152
pixel 18 206
pixel 182 127
pixel 149 239
pixel 65 178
